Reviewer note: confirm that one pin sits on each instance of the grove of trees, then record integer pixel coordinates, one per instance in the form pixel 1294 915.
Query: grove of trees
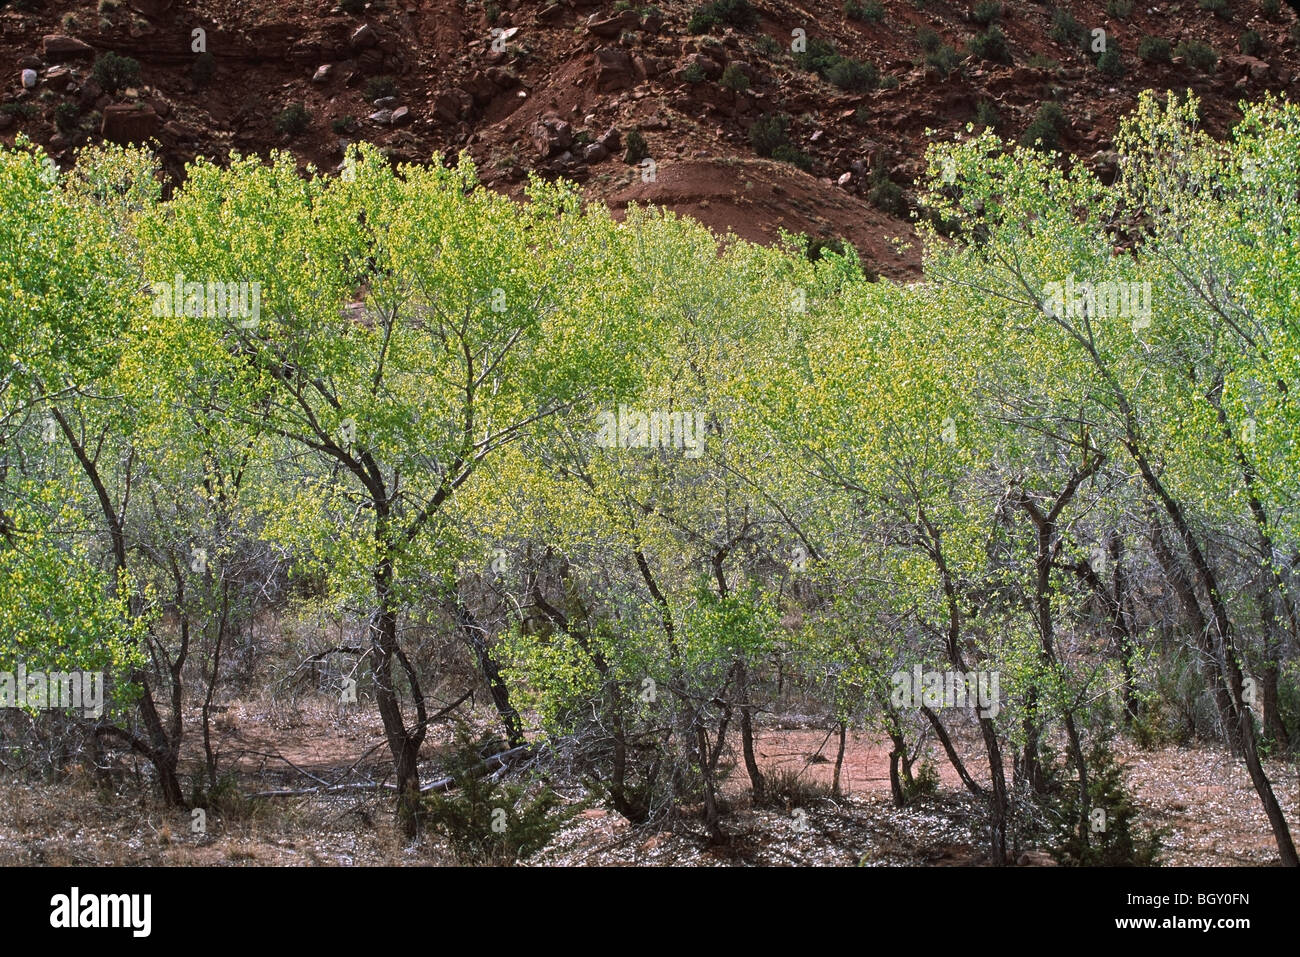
pixel 816 480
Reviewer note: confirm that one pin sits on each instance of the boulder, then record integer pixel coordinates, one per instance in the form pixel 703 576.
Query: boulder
pixel 611 139
pixel 613 69
pixel 56 46
pixel 552 135
pixel 610 27
pixel 126 123
pixel 452 105
pixel 58 77
pixel 364 37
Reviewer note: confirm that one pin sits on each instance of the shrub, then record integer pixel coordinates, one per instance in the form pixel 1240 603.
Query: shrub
pixel 637 148
pixel 1110 64
pixel 871 11
pixel 1251 43
pixel 1066 30
pixel 487 822
pixel 343 125
pixel 986 115
pixel 378 87
pixel 854 75
pixel 928 39
pixel 23 110
pixel 294 120
pixel 986 11
pixel 1270 8
pixel 1199 56
pixel 817 57
pixel 991 46
pixel 889 82
pixel 768 132
pixel 65 116
pixel 845 72
pixel 1044 132
pixel 1220 8
pixel 1119 9
pixel 1153 49
pixel 796 157
pixel 816 247
pixel 886 195
pixel 1119 842
pixel 788 788
pixel 945 59
pixel 352 7
pixel 733 13
pixel 924 783
pixel 693 74
pixel 733 78
pixel 113 72
pixel 768 45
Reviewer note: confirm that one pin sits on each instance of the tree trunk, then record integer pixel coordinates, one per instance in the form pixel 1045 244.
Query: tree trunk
pixel 756 781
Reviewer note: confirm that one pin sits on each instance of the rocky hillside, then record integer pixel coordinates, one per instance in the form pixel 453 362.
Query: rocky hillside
pixel 750 116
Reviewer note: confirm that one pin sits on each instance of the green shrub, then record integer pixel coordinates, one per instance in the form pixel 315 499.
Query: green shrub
pixel 637 148
pixel 986 11
pixel 733 13
pixel 1044 131
pixel 65 116
pixel 924 783
pixel 991 46
pixel 1251 43
pixel 886 195
pixel 1111 836
pixel 871 11
pixel 945 60
pixel 114 73
pixel 352 7
pixel 769 45
pixel 1220 8
pixel 693 74
pixel 23 110
pixel 816 247
pixel 928 39
pixel 853 75
pixel 294 120
pixel 343 125
pixel 817 57
pixel 1199 56
pixel 1110 64
pixel 1119 9
pixel 1270 8
pixel 378 87
pixel 1066 30
pixel 889 82
pixel 733 78
pixel 489 822
pixel 986 115
pixel 796 157
pixel 1153 50
pixel 845 72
